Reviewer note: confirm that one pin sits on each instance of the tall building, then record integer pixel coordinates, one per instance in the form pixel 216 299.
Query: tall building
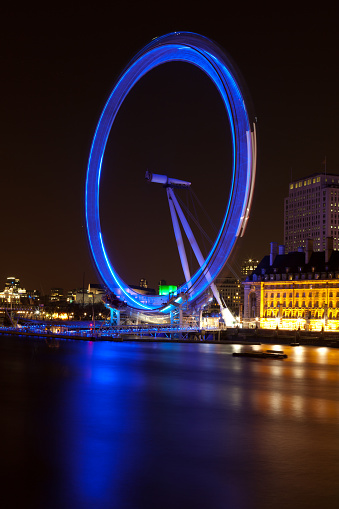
pixel 312 212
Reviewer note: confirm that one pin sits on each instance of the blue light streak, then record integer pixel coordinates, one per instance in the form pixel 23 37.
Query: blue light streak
pixel 206 55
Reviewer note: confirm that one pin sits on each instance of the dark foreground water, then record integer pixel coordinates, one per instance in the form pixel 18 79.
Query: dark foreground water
pixel 145 425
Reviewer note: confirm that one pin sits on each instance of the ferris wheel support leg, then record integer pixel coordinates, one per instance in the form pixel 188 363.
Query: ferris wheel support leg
pixel 178 237
pixel 114 316
pixel 192 241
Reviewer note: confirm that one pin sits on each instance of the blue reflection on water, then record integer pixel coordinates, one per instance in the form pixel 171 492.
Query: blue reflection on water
pixel 165 425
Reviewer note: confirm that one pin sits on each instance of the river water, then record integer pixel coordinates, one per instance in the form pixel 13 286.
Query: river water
pixel 157 425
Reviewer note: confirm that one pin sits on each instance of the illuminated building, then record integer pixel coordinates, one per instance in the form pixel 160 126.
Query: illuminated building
pixel 12 283
pixel 312 212
pixel 56 294
pixel 92 295
pixel 12 292
pixel 231 294
pixel 298 290
pixel 248 266
pixel 71 296
pixel 33 296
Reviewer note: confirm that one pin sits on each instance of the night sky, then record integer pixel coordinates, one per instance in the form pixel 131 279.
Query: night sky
pixel 59 65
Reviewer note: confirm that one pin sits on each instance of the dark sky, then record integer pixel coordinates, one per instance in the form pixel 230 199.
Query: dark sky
pixel 58 67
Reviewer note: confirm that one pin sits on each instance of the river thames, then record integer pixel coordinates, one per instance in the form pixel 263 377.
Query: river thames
pixel 158 425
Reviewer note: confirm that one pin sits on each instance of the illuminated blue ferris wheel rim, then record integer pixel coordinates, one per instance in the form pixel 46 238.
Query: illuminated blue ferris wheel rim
pixel 207 56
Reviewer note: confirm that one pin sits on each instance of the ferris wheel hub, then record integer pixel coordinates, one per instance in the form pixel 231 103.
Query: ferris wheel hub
pixel 165 181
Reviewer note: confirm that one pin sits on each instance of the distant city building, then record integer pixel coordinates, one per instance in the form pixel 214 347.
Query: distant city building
pixel 56 294
pixel 298 290
pixel 312 212
pixel 33 296
pixel 12 283
pixel 96 288
pixel 71 295
pixel 12 292
pixel 248 266
pixel 144 290
pixel 231 292
pixel 93 294
pixel 143 283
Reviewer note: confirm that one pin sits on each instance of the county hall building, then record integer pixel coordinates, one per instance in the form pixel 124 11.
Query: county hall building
pixel 295 290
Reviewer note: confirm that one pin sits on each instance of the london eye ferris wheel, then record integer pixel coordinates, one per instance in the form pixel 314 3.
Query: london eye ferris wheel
pixel 205 54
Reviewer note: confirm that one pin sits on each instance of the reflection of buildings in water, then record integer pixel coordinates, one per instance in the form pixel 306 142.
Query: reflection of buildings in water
pixel 278 404
pixel 293 387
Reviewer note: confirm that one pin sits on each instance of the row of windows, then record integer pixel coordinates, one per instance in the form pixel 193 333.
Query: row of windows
pixel 313 180
pixel 303 304
pixel 298 294
pixel 305 182
pixel 320 286
pixel 303 314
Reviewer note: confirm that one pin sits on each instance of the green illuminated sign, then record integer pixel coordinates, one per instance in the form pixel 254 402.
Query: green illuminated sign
pixel 166 289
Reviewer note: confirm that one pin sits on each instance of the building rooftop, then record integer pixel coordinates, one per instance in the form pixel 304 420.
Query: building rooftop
pixel 297 262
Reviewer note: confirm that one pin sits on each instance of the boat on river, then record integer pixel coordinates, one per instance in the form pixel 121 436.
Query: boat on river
pixel 268 354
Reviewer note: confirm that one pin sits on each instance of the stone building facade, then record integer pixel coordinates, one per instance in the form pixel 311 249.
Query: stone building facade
pixel 298 290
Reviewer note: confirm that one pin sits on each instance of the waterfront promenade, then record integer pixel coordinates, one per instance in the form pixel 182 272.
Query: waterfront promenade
pixel 189 334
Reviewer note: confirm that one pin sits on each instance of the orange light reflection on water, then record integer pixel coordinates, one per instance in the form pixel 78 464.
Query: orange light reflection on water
pixel 296 387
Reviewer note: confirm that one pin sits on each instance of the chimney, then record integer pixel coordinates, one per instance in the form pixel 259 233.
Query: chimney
pixel 281 250
pixel 274 252
pixel 328 248
pixel 308 250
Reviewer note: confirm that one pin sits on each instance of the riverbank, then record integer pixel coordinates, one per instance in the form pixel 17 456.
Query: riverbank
pixel 240 337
